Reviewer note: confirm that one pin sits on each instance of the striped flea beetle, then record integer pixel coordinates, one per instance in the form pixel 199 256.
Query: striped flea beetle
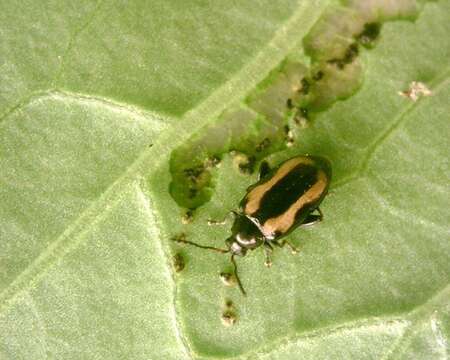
pixel 283 199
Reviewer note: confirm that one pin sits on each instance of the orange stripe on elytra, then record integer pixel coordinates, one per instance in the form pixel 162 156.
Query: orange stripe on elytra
pixel 255 195
pixel 282 223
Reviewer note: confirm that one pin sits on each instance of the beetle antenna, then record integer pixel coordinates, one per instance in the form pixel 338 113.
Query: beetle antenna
pixel 237 276
pixel 223 251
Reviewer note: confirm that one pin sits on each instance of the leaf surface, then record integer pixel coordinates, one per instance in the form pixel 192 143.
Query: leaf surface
pixel 95 97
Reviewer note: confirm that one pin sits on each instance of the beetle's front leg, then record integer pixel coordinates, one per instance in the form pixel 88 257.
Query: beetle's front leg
pixel 224 221
pixel 268 250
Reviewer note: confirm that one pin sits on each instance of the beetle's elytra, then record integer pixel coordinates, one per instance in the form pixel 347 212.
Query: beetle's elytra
pixel 284 198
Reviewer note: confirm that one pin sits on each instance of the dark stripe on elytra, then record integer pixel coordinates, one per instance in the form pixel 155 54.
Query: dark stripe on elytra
pixel 286 191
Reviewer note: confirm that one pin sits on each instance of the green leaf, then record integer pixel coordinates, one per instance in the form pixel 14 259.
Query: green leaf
pixel 94 100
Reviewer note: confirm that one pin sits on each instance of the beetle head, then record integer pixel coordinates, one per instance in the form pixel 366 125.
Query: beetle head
pixel 245 236
pixel 234 247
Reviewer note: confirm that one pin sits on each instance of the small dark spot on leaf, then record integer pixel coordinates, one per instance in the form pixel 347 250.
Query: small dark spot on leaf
pixel 188 217
pixel 178 262
pixel 212 161
pixel 263 145
pixel 301 117
pixel 349 56
pixel 289 136
pixel 248 167
pixel 227 278
pixel 351 53
pixel 303 112
pixel 318 75
pixel 194 173
pixel 244 163
pixel 305 86
pixel 192 193
pixel 228 318
pixel 229 304
pixel 289 103
pixel 369 34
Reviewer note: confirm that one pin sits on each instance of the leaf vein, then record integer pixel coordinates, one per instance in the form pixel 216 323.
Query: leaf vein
pixel 145 194
pixel 417 316
pixel 73 39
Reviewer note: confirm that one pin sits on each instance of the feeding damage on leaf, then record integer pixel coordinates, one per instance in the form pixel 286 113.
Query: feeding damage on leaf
pixel 229 316
pixel 290 95
pixel 415 91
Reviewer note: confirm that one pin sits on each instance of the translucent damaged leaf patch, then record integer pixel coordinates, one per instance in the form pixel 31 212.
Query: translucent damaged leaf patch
pixel 384 10
pixel 291 94
pixel 333 33
pixel 339 25
pixel 334 44
pixel 240 130
pixel 338 28
pixel 272 101
pixel 335 84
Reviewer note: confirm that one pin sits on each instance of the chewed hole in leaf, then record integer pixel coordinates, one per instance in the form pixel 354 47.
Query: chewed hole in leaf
pixel 228 279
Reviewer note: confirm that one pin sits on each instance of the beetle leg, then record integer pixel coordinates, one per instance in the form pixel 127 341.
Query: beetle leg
pixel 264 169
pixel 281 244
pixel 237 276
pixel 313 218
pixel 222 222
pixel 223 251
pixel 268 250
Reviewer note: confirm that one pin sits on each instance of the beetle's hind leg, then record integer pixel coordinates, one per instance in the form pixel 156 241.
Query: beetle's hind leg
pixel 281 244
pixel 268 251
pixel 313 218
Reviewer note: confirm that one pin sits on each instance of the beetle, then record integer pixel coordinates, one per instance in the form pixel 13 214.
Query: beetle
pixel 283 199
